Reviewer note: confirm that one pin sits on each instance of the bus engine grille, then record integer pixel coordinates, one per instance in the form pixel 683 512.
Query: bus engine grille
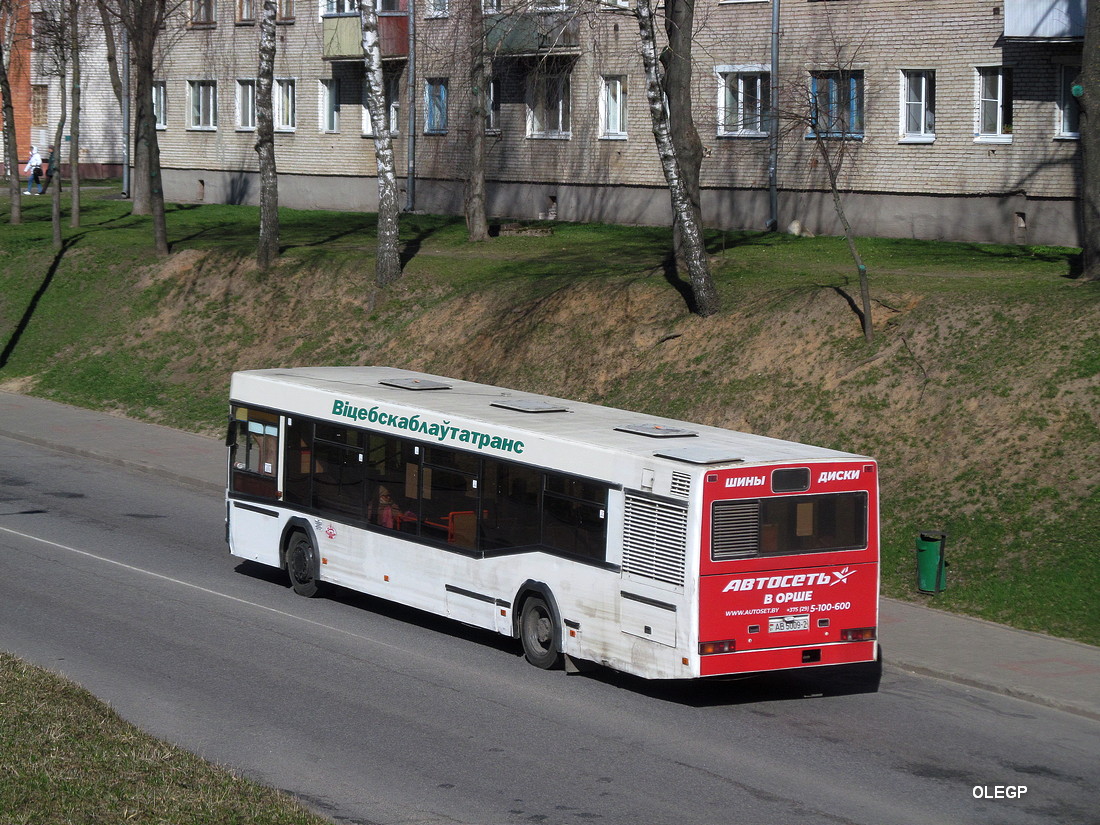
pixel 654 539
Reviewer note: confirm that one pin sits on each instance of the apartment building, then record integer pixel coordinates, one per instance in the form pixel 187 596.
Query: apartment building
pixel 955 117
pixel 36 78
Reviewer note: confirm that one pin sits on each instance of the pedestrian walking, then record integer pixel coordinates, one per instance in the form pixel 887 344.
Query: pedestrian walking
pixel 33 170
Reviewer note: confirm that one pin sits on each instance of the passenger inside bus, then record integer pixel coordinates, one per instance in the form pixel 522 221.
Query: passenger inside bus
pixel 386 512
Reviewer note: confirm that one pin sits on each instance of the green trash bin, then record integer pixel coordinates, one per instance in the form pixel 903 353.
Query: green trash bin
pixel 931 567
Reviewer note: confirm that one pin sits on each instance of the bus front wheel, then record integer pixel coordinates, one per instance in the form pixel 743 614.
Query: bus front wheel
pixel 301 566
pixel 539 633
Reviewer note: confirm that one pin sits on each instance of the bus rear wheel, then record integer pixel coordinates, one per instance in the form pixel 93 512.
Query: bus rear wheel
pixel 540 634
pixel 301 566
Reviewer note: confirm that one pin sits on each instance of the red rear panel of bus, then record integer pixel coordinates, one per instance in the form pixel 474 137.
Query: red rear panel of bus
pixel 775 607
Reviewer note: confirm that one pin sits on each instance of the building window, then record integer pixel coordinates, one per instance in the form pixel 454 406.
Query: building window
pixel 341 7
pixel 1069 107
pixel 160 103
pixel 435 105
pixel 391 86
pixel 438 8
pixel 490 6
pixel 40 106
pixel 330 104
pixel 246 104
pixel 836 104
pixel 918 106
pixel 994 105
pixel 202 13
pixel 492 105
pixel 246 11
pixel 285 11
pixel 286 118
pixel 548 107
pixel 613 107
pixel 743 102
pixel 204 104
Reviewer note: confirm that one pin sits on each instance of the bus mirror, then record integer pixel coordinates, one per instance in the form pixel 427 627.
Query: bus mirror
pixel 231 432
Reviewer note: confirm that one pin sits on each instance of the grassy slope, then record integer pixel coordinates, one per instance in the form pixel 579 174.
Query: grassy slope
pixel 979 396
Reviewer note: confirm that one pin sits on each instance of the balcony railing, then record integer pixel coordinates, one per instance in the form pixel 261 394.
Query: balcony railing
pixel 1044 19
pixel 532 32
pixel 343 37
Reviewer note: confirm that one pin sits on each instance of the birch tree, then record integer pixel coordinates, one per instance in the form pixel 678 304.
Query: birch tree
pixel 268 248
pixel 677 140
pixel 8 35
pixel 388 259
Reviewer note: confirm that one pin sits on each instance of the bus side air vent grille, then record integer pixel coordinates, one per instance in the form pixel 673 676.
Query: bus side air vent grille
pixel 655 539
pixel 735 529
pixel 681 485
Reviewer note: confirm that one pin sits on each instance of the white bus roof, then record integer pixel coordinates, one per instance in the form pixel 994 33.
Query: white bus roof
pixel 466 403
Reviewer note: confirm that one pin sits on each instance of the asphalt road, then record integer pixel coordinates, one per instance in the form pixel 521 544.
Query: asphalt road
pixel 372 713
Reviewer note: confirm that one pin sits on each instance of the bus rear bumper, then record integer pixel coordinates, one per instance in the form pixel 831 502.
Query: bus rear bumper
pixel 788 658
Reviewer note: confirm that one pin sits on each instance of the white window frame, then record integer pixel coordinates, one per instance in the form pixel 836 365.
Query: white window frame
pixel 1069 109
pixel 923 102
pixel 246 104
pixel 246 11
pixel 549 105
pixel 733 97
pixel 332 7
pixel 1002 132
pixel 492 106
pixel 438 8
pixel 391 86
pixel 202 105
pixel 613 107
pixel 329 104
pixel 285 121
pixel 160 104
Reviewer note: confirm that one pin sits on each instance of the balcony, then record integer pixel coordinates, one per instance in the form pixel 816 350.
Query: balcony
pixel 1044 19
pixel 532 33
pixel 343 38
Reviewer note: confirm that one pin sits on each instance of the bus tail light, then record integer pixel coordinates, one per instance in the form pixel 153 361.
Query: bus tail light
pixel 710 648
pixel 858 634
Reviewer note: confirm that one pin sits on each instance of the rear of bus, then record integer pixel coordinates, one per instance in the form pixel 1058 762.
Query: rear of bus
pixel 789 567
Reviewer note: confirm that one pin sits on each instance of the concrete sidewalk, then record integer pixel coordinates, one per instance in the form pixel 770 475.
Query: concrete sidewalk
pixel 1031 666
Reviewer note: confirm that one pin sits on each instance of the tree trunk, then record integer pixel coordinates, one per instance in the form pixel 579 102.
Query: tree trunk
pixel 74 130
pixel 55 176
pixel 833 169
pixel 477 223
pixel 388 259
pixel 1090 144
pixel 685 214
pixel 112 53
pixel 268 248
pixel 12 158
pixel 143 19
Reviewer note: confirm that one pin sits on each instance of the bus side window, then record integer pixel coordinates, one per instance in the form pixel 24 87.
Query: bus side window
pixel 299 461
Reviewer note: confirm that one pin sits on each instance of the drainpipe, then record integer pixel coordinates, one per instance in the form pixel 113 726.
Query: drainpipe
pixel 410 175
pixel 773 131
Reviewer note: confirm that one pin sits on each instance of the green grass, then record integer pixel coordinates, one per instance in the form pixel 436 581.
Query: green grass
pixel 69 760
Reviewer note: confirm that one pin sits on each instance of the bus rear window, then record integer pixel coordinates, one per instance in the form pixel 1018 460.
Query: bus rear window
pixel 787 525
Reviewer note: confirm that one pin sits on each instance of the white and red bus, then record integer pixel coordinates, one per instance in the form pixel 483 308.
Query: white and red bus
pixel 656 547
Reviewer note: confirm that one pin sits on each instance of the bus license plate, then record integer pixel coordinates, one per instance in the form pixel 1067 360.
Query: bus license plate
pixel 781 624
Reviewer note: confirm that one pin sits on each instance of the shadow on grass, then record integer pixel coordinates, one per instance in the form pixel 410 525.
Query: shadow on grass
pixel 28 313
